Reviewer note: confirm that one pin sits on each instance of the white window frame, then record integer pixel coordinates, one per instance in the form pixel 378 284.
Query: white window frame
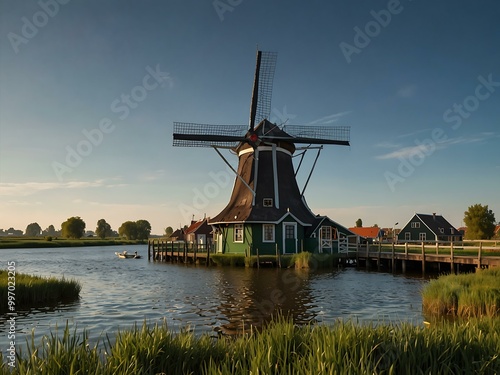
pixel 441 230
pixel 422 236
pixel 407 236
pixel 264 226
pixel 238 228
pixel 267 202
pixel 415 224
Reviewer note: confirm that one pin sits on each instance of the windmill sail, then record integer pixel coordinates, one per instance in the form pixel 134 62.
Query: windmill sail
pixel 260 107
pixel 204 135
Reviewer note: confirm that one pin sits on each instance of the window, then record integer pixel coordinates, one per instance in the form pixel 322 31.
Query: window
pixel 452 231
pixel 422 236
pixel 407 236
pixel 267 202
pixel 289 231
pixel 268 232
pixel 326 233
pixel 415 224
pixel 238 232
pixel 441 230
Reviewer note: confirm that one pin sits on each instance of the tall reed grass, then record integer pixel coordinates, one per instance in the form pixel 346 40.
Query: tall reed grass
pixel 34 291
pixel 280 348
pixel 465 295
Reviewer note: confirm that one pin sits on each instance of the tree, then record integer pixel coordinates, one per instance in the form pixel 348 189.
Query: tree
pixel 33 230
pixel 50 231
pixel 359 223
pixel 74 227
pixel 128 230
pixel 143 229
pixel 168 231
pixel 103 229
pixel 480 222
pixel 14 232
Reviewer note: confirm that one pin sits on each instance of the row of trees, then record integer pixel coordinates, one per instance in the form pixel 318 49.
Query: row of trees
pixel 74 227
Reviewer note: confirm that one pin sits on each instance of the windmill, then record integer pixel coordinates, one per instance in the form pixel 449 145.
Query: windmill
pixel 267 210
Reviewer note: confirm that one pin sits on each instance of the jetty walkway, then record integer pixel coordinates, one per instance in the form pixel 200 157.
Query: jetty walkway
pixel 425 257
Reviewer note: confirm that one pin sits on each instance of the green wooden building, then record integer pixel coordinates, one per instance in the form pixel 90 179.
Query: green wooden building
pixel 428 227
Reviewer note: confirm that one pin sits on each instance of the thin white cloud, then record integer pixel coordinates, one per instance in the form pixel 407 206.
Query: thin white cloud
pixel 405 152
pixel 330 118
pixel 407 91
pixel 428 148
pixel 29 188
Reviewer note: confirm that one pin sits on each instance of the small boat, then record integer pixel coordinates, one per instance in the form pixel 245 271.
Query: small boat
pixel 126 255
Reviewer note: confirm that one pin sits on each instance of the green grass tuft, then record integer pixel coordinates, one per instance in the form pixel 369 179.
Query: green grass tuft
pixel 281 348
pixel 465 295
pixel 35 291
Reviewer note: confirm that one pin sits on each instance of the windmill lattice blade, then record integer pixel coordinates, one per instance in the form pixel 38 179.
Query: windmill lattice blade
pixel 266 77
pixel 205 135
pixel 339 135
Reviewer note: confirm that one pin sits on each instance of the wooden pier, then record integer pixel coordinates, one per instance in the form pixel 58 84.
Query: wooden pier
pixel 425 257
pixel 162 250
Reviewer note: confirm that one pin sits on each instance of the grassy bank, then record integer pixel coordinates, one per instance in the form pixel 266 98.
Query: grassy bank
pixel 300 260
pixel 281 348
pixel 41 242
pixel 28 291
pixel 465 295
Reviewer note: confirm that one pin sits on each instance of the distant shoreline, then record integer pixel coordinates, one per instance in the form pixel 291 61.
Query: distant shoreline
pixel 35 243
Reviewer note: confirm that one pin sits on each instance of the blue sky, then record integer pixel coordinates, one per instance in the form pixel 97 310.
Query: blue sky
pixel 90 90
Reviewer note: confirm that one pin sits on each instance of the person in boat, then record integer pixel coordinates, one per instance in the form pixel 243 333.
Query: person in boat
pixel 125 252
pixel 135 254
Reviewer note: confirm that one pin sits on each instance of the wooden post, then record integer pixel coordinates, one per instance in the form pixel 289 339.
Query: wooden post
pixel 258 260
pixel 479 254
pixel 403 262
pixel 185 252
pixel 452 262
pixel 208 255
pixel 437 247
pixel 195 248
pixel 172 251
pixel 393 263
pixel 278 258
pixel 423 257
pixel 378 255
pixel 149 250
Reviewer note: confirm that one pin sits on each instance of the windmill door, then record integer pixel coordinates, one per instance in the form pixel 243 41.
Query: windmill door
pixel 289 238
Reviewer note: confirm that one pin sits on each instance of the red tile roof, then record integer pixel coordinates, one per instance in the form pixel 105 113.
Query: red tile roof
pixel 367 232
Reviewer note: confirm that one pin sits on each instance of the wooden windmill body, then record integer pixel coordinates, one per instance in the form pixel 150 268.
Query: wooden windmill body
pixel 267 210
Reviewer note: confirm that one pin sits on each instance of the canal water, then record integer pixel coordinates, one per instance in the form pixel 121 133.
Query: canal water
pixel 116 293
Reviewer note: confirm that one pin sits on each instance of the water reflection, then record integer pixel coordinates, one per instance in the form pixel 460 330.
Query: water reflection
pixel 116 293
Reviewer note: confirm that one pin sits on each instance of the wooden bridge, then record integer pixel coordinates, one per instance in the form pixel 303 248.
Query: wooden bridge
pixel 437 256
pixel 424 257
